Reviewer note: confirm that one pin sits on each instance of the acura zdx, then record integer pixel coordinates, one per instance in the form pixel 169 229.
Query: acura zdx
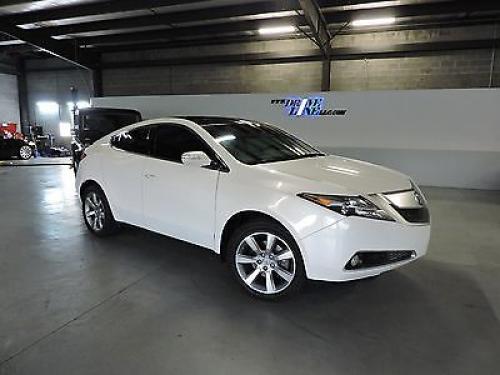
pixel 276 209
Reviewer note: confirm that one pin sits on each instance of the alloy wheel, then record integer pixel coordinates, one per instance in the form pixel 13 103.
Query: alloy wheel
pixel 265 263
pixel 25 152
pixel 95 213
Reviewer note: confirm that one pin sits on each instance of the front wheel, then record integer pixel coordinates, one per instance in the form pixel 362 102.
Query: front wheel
pixel 25 152
pixel 97 213
pixel 266 260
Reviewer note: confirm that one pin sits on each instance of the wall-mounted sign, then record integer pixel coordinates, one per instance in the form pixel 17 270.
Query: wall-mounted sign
pixel 313 106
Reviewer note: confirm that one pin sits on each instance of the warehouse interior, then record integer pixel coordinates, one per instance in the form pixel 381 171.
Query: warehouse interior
pixel 144 303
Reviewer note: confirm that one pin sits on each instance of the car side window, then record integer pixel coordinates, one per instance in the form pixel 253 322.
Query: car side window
pixel 172 140
pixel 136 140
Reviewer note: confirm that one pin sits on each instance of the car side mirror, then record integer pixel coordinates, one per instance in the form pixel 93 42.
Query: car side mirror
pixel 196 159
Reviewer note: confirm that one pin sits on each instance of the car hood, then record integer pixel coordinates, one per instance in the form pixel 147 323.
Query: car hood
pixel 338 175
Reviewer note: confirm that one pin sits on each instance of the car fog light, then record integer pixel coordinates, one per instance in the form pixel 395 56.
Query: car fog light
pixel 368 259
pixel 355 261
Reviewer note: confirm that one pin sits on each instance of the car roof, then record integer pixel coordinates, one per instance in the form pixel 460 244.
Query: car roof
pixel 213 120
pixel 108 110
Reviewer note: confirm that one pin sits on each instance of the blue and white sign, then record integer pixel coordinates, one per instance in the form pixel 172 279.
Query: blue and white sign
pixel 313 106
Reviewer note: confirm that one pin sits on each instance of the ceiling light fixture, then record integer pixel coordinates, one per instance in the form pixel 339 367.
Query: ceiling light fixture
pixel 277 30
pixel 372 5
pixel 13 42
pixel 374 21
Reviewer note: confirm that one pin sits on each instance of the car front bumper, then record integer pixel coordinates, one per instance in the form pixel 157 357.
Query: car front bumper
pixel 327 251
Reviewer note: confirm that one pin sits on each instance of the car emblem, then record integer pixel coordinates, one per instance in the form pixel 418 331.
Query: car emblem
pixel 418 198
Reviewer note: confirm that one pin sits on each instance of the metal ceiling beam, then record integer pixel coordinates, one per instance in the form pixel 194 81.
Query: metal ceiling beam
pixel 114 6
pixel 90 9
pixel 240 59
pixel 321 35
pixel 350 53
pixel 252 25
pixel 317 24
pixel 61 49
pixel 222 12
pixel 448 23
pixel 183 32
pixel 340 16
pixel 191 43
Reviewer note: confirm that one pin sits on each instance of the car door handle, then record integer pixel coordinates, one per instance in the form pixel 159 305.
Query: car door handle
pixel 149 175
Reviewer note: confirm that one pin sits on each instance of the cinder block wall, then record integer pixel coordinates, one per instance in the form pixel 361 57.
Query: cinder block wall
pixel 446 69
pixel 207 79
pixel 458 69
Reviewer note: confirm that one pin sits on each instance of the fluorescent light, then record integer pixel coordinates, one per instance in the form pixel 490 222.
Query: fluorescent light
pixel 48 108
pixel 375 4
pixel 374 21
pixel 276 30
pixel 13 42
pixel 65 129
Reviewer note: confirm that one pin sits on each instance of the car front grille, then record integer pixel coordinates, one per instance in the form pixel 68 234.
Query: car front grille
pixel 410 204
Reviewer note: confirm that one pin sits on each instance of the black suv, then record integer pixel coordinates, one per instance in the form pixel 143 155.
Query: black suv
pixel 10 148
pixel 94 123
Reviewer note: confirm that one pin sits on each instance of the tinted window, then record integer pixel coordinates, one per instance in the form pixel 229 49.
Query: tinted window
pixel 97 125
pixel 136 140
pixel 174 140
pixel 255 143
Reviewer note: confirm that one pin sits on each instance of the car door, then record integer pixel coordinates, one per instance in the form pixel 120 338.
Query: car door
pixel 14 146
pixel 6 148
pixel 123 173
pixel 179 200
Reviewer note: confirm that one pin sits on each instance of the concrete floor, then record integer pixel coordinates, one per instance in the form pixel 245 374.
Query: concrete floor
pixel 41 160
pixel 139 303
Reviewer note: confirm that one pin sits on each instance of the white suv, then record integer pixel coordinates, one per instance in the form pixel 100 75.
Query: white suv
pixel 275 208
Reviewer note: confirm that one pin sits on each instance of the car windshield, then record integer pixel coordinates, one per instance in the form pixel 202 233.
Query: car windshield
pixel 257 143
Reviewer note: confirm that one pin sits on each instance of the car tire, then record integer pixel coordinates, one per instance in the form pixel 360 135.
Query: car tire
pixel 266 272
pixel 97 213
pixel 25 152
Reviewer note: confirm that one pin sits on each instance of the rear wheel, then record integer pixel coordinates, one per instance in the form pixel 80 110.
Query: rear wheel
pixel 97 213
pixel 266 260
pixel 25 152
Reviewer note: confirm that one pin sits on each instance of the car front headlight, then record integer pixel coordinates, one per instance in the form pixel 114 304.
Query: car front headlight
pixel 348 205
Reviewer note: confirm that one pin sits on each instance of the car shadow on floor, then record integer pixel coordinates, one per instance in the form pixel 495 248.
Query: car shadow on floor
pixel 409 314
